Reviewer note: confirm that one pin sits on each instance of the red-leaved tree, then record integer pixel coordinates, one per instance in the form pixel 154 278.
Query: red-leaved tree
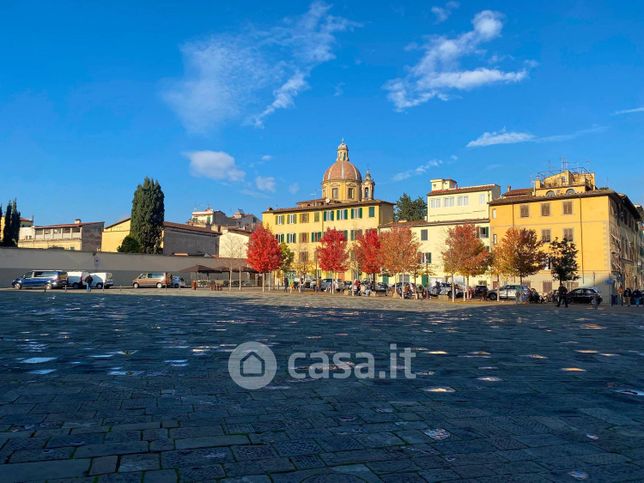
pixel 465 254
pixel 332 252
pixel 263 254
pixel 367 252
pixel 399 251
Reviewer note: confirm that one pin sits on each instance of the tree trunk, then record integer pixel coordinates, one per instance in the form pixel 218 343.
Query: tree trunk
pixel 240 278
pixel 453 291
pixel 263 282
pixel 230 279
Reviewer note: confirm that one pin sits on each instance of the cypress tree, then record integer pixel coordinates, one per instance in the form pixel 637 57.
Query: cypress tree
pixel 148 213
pixel 11 230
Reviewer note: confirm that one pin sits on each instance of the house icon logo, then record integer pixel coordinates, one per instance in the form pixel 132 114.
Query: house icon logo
pixel 252 365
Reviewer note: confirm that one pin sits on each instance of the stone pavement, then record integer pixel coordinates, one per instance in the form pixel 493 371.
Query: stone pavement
pixel 136 388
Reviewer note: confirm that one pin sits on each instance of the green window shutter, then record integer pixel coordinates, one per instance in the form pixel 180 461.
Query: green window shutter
pixel 372 211
pixel 332 215
pixel 360 212
pixel 324 216
pixel 346 214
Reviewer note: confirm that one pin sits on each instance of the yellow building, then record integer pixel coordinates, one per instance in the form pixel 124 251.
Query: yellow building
pixel 603 224
pixel 176 238
pixel 449 205
pixel 347 204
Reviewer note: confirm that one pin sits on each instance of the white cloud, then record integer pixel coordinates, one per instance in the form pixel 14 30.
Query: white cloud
pixel 439 72
pixel 293 188
pixel 418 170
pixel 216 165
pixel 512 137
pixel 266 157
pixel 628 111
pixel 249 75
pixel 500 137
pixel 443 13
pixel 265 183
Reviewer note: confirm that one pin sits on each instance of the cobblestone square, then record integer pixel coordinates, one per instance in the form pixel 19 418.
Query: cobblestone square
pixel 109 387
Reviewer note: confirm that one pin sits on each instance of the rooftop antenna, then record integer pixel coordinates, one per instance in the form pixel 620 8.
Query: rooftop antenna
pixel 564 164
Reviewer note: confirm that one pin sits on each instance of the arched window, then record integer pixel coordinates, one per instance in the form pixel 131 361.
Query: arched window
pixel 366 192
pixel 550 194
pixel 570 191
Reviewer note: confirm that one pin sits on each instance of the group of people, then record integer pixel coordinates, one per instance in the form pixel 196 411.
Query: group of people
pixel 627 296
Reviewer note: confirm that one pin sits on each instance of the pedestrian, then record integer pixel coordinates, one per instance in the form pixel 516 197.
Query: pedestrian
pixel 88 282
pixel 620 295
pixel 627 296
pixel 285 283
pixel 562 296
pixel 636 296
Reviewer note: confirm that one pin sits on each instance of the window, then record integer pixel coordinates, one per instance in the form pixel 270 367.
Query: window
pixel 525 211
pixel 304 237
pixel 545 209
pixel 550 194
pixel 316 216
pixel 426 258
pixel 448 202
pixel 328 215
pixel 353 235
pixel 423 235
pixel 567 207
pixel 545 236
pixel 547 287
pixel 346 234
pixel 570 191
pixel 462 200
pixel 351 193
pixel 334 193
pixel 494 239
pixel 291 237
pixel 484 232
pixel 482 199
pixel 435 203
pixel 372 211
pixel 568 234
pixel 292 219
pixel 366 193
pixel 304 218
pixel 279 220
pixel 304 257
pixel 494 213
pixel 316 236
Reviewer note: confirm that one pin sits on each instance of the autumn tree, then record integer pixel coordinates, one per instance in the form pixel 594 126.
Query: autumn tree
pixel 399 250
pixel 332 252
pixel 519 254
pixel 563 260
pixel 263 254
pixel 367 252
pixel 465 254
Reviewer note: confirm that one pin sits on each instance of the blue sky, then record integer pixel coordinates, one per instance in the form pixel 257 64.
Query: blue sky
pixel 242 104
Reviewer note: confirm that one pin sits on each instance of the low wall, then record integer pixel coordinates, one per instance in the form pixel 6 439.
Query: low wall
pixel 123 266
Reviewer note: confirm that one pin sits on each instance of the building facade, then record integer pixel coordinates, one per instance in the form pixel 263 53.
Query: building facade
pixel 347 204
pixel 449 205
pixel 233 243
pixel 218 220
pixel 603 224
pixel 81 236
pixel 176 238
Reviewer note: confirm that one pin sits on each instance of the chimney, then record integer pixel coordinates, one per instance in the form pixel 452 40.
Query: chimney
pixel 509 188
pixel 77 221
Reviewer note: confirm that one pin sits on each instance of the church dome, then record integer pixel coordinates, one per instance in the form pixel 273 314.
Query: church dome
pixel 342 169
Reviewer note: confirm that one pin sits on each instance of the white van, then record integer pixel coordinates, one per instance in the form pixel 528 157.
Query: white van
pixel 76 279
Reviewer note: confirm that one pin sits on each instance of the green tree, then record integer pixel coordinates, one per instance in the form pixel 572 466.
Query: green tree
pixel 147 216
pixel 129 245
pixel 286 258
pixel 563 260
pixel 11 230
pixel 410 210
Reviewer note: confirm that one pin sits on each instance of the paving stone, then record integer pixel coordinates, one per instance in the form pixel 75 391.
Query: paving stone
pixel 296 448
pixel 38 471
pixel 139 462
pixel 202 473
pixel 92 450
pixel 46 454
pixel 103 465
pixel 160 476
pixel 210 441
pixel 194 457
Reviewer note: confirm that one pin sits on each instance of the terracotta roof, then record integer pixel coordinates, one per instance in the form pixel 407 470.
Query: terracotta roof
pixel 123 220
pixel 342 170
pixel 417 223
pixel 184 227
pixel 518 192
pixel 328 206
pixel 465 189
pixel 70 225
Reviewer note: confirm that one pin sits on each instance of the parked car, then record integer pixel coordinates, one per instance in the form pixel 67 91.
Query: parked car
pixel 458 289
pixel 508 292
pixel 326 283
pixel 102 280
pixel 152 279
pixel 41 279
pixel 583 296
pixel 480 291
pixel 76 278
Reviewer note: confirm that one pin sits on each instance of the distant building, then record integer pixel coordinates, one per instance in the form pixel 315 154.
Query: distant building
pixel 81 236
pixel 233 243
pixel 348 204
pixel 604 225
pixel 449 205
pixel 218 219
pixel 177 238
pixel 24 222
